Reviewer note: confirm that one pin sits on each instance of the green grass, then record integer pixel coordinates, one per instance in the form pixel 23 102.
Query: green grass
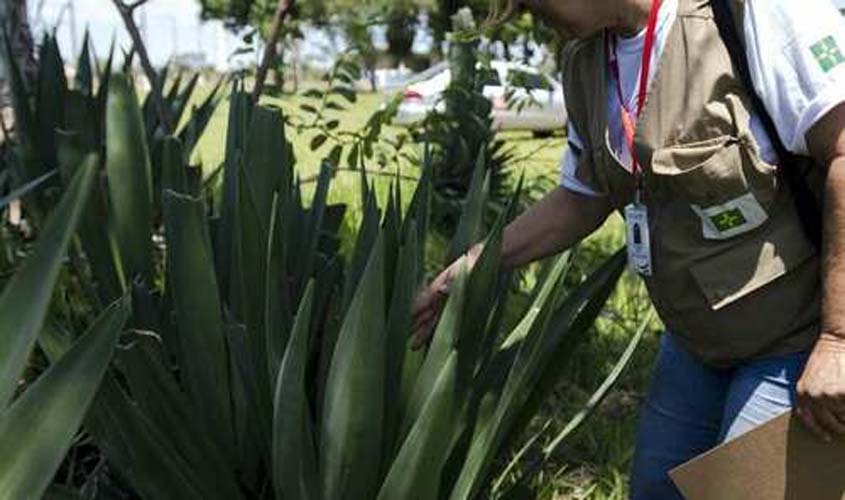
pixel 595 462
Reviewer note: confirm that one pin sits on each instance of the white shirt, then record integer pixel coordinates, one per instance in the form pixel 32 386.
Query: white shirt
pixel 796 55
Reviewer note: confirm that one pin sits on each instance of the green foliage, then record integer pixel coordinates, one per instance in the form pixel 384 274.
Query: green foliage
pixel 130 179
pixel 462 135
pixel 40 424
pixel 26 297
pixel 350 149
pixel 262 363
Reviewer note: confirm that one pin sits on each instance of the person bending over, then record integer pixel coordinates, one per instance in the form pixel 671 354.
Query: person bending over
pixel 664 130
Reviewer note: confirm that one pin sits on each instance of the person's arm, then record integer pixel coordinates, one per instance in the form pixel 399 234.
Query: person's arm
pixel 554 224
pixel 557 222
pixel 821 389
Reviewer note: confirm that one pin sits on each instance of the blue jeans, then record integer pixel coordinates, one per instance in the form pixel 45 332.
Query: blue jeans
pixel 692 407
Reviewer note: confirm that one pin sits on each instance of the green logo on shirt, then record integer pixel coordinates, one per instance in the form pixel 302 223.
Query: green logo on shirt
pixel 729 219
pixel 827 53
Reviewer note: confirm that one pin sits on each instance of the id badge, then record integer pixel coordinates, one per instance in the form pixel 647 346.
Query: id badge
pixel 639 243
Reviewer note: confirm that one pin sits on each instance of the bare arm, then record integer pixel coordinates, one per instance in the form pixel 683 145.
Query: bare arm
pixel 555 223
pixel 827 141
pixel 821 390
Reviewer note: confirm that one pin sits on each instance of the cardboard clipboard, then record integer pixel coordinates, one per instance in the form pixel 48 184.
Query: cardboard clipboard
pixel 780 460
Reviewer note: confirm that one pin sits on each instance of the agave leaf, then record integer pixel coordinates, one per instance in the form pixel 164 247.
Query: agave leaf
pixel 419 210
pixel 411 367
pixel 41 424
pixel 248 300
pixel 352 431
pixel 265 161
pixel 26 297
pixel 367 234
pixel 249 432
pixel 105 78
pixel 130 180
pixel 83 120
pixel 329 244
pixel 49 103
pixel 198 315
pixel 578 420
pixel 239 109
pixel 151 464
pixel 58 492
pixel 391 227
pixel 520 454
pixel 149 112
pixel 314 225
pixel 27 188
pixel 160 399
pixel 173 92
pixel 570 324
pixel 174 175
pixel 277 314
pixel 415 474
pixel 199 120
pixel 482 293
pixel 181 102
pixel 442 345
pixel 331 312
pixel 398 328
pixel 601 393
pixel 96 240
pixel 294 456
pixel 84 75
pixel 471 223
pixel 489 435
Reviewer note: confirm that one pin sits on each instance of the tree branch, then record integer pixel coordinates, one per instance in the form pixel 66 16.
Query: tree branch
pixel 283 10
pixel 126 11
pixel 137 3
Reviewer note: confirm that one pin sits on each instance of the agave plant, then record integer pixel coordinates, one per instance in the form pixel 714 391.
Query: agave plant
pixel 41 422
pixel 259 362
pixel 56 118
pixel 322 399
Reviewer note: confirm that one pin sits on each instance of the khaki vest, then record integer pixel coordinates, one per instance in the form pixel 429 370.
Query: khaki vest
pixel 734 276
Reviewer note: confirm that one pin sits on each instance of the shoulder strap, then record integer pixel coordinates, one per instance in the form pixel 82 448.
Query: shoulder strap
pixel 805 201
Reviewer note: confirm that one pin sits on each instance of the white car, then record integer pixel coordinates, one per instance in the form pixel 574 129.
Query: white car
pixel 522 97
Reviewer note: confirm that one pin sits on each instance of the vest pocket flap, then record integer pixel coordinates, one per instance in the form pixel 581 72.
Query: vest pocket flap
pixel 744 269
pixel 707 173
pixel 681 158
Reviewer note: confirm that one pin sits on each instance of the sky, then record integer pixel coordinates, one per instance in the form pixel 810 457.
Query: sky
pixel 169 27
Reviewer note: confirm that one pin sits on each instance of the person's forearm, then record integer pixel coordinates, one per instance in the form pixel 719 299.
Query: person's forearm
pixel 833 259
pixel 554 224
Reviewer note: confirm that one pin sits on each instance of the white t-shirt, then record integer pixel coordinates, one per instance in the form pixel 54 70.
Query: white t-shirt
pixel 796 54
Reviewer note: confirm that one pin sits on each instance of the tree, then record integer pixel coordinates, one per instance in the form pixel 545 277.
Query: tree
pixel 444 10
pixel 402 22
pixel 353 17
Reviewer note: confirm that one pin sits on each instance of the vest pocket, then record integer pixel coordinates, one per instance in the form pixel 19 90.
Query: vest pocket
pixel 723 182
pixel 748 267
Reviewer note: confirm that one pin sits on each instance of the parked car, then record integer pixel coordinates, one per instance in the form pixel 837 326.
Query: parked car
pixel 523 98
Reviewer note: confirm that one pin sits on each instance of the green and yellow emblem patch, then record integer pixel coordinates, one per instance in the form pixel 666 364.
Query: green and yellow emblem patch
pixel 729 219
pixel 827 53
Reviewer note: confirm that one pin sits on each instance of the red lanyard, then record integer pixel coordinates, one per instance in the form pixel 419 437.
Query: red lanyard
pixel 629 119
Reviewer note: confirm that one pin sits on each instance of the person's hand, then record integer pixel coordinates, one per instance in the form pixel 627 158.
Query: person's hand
pixel 427 306
pixel 821 389
pixel 429 303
